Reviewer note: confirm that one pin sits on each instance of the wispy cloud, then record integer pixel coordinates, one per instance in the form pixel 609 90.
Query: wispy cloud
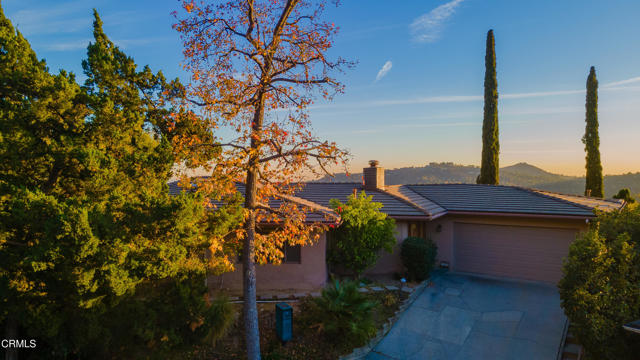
pixel 82 43
pixel 126 43
pixel 542 110
pixel 388 128
pixel 475 98
pixel 384 70
pixel 392 127
pixel 66 17
pixel 471 98
pixel 540 94
pixel 68 45
pixel 428 99
pixel 62 17
pixel 428 27
pixel 623 82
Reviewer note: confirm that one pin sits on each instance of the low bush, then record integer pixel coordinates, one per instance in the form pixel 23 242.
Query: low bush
pixel 344 315
pixel 600 290
pixel 390 299
pixel 419 257
pixel 365 230
pixel 159 321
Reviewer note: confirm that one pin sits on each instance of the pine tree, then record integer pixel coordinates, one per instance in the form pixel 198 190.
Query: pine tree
pixel 86 220
pixel 490 167
pixel 594 185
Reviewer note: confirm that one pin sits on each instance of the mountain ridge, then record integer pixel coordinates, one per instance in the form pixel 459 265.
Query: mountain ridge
pixel 520 174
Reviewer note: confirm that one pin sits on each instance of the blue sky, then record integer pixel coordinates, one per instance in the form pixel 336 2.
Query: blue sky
pixel 416 94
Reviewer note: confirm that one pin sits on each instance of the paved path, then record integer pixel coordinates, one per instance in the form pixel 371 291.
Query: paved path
pixel 467 318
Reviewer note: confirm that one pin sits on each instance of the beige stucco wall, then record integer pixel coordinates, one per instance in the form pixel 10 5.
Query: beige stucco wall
pixel 444 238
pixel 391 263
pixel 310 274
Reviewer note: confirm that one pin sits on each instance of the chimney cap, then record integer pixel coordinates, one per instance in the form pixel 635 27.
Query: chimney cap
pixel 373 163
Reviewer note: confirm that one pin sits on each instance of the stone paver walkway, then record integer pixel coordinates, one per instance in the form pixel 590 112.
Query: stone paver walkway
pixel 462 317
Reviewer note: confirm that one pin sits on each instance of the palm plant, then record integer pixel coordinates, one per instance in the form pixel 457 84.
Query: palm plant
pixel 346 313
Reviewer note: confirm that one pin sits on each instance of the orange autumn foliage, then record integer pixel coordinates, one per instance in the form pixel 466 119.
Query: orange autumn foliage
pixel 256 67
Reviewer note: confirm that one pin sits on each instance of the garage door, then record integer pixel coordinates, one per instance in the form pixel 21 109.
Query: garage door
pixel 529 253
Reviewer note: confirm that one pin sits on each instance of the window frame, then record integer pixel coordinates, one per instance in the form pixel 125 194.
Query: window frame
pixel 285 250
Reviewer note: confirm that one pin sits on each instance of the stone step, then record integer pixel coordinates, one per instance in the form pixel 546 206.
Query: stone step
pixel 572 349
pixel 571 340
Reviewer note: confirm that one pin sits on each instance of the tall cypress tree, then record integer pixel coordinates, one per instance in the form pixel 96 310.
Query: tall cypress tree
pixel 594 185
pixel 490 168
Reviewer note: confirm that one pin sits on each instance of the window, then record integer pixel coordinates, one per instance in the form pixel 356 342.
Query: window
pixel 291 254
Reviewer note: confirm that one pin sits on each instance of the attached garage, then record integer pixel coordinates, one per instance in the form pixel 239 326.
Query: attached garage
pixel 521 252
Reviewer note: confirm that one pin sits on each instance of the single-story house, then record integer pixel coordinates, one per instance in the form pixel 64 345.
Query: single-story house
pixel 495 230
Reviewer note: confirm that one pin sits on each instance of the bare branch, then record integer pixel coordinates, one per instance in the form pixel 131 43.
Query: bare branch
pixel 277 30
pixel 10 242
pixel 216 145
pixel 296 81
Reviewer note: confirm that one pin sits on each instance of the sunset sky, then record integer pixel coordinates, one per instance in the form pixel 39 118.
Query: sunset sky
pixel 416 94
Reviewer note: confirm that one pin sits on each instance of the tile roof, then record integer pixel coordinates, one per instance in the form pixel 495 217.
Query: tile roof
pixel 405 193
pixel 318 215
pixel 594 203
pixel 508 199
pixel 429 201
pixel 321 193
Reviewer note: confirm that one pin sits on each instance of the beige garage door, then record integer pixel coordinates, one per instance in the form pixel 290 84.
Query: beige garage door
pixel 521 252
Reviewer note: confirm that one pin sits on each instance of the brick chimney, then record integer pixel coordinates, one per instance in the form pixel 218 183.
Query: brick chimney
pixel 373 176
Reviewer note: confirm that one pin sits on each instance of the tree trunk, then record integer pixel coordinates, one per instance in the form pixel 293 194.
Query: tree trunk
pixel 250 310
pixel 11 332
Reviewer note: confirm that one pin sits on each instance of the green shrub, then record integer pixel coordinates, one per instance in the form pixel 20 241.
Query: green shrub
pixel 364 231
pixel 344 314
pixel 600 290
pixel 159 321
pixel 419 257
pixel 625 194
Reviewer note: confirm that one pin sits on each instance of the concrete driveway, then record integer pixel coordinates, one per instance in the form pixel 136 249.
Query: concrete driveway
pixel 466 317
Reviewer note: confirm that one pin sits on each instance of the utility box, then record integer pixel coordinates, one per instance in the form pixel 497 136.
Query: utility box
pixel 284 321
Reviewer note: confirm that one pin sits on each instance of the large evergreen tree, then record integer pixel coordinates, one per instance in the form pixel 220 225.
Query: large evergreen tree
pixel 490 167
pixel 594 185
pixel 88 230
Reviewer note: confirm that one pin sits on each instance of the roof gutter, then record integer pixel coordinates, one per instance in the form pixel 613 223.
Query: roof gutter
pixel 528 215
pixel 410 217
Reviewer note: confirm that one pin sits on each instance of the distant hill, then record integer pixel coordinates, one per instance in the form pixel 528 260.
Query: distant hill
pixel 521 174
